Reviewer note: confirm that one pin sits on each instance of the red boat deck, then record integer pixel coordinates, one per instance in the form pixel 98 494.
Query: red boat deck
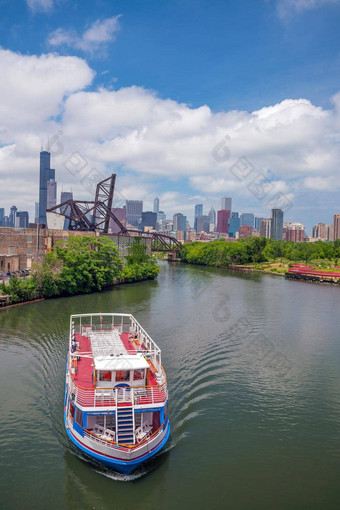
pixel 85 367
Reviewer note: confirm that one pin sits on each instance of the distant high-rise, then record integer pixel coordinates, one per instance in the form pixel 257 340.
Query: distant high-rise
pixel 22 219
pixel 247 219
pixel 226 203
pixel 234 224
pixel 149 219
pixel 198 212
pixel 245 231
pixel 212 217
pixel 277 224
pixel 319 231
pixel 265 227
pixel 134 209
pixel 179 222
pixel 203 223
pixel 330 232
pixel 2 214
pixel 46 174
pixel 51 193
pixel 156 205
pixel 120 213
pixel 293 231
pixel 66 195
pixel 223 221
pixel 66 209
pixel 336 226
pixel 161 219
pixel 257 223
pixel 12 216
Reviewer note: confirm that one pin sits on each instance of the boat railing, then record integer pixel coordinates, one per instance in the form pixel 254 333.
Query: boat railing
pixel 112 397
pixel 123 447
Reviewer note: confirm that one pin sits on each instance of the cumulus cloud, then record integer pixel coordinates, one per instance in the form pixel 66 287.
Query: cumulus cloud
pixel 291 146
pixel 33 89
pixel 40 5
pixel 96 37
pixel 288 8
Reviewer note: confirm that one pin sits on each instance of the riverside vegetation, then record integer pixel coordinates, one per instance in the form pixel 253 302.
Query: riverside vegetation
pixel 81 265
pixel 260 253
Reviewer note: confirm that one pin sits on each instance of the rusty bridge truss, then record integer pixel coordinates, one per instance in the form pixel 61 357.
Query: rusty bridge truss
pixel 95 216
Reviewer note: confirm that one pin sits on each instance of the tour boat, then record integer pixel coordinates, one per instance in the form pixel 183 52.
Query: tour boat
pixel 116 396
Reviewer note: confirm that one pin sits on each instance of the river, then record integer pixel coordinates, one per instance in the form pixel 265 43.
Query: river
pixel 253 366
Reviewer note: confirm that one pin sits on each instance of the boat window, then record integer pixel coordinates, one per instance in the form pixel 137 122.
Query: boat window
pixel 104 376
pixel 123 375
pixel 78 417
pixel 138 374
pixel 71 409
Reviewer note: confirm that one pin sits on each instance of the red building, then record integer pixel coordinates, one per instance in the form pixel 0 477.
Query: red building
pixel 245 231
pixel 223 221
pixel 294 232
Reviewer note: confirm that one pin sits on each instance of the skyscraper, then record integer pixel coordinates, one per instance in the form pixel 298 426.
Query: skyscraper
pixel 320 231
pixel 66 209
pixel 179 222
pixel 336 226
pixel 277 224
pixel 46 174
pixel 247 219
pixel 265 227
pixel 223 221
pixel 198 212
pixel 12 216
pixel 293 231
pixel 212 217
pixel 120 213
pixel 149 219
pixel 134 209
pixel 203 223
pixel 51 193
pixel 156 205
pixel 2 214
pixel 66 195
pixel 226 204
pixel 257 223
pixel 22 219
pixel 234 224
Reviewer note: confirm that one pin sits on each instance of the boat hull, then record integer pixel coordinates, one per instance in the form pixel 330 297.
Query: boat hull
pixel 122 466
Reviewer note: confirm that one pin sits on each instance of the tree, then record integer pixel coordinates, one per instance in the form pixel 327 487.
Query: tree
pixel 137 253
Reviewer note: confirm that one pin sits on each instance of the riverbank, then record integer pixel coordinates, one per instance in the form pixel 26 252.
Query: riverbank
pixel 118 281
pixel 266 256
pixel 81 266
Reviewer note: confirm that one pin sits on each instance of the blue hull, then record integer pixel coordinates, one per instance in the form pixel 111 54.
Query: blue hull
pixel 125 467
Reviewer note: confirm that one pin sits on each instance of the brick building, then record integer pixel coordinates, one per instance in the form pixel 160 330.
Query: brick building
pixel 31 244
pixel 245 231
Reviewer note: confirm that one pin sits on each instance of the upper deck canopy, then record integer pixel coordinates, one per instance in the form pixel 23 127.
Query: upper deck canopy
pixel 127 362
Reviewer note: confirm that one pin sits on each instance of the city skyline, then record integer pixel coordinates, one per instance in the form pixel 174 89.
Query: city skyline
pixel 73 82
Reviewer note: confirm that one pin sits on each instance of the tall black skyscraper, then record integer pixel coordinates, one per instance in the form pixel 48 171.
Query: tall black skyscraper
pixel 46 173
pixel 277 224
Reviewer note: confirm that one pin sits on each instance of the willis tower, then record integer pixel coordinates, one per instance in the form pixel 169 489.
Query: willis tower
pixel 46 174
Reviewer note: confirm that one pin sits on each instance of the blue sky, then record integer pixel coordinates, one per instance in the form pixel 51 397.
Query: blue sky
pixel 264 73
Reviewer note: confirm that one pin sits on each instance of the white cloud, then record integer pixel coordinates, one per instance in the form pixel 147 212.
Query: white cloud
pixel 151 141
pixel 40 5
pixel 33 89
pixel 288 8
pixel 97 36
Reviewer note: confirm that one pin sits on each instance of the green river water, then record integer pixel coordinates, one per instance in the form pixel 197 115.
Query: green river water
pixel 253 366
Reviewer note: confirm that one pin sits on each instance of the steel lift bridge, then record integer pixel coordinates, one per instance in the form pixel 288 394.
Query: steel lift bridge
pixel 95 216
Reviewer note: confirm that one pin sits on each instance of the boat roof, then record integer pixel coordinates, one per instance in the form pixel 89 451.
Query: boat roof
pixel 127 362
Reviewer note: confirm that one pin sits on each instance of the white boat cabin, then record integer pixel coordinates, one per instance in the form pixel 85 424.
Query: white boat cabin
pixel 121 371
